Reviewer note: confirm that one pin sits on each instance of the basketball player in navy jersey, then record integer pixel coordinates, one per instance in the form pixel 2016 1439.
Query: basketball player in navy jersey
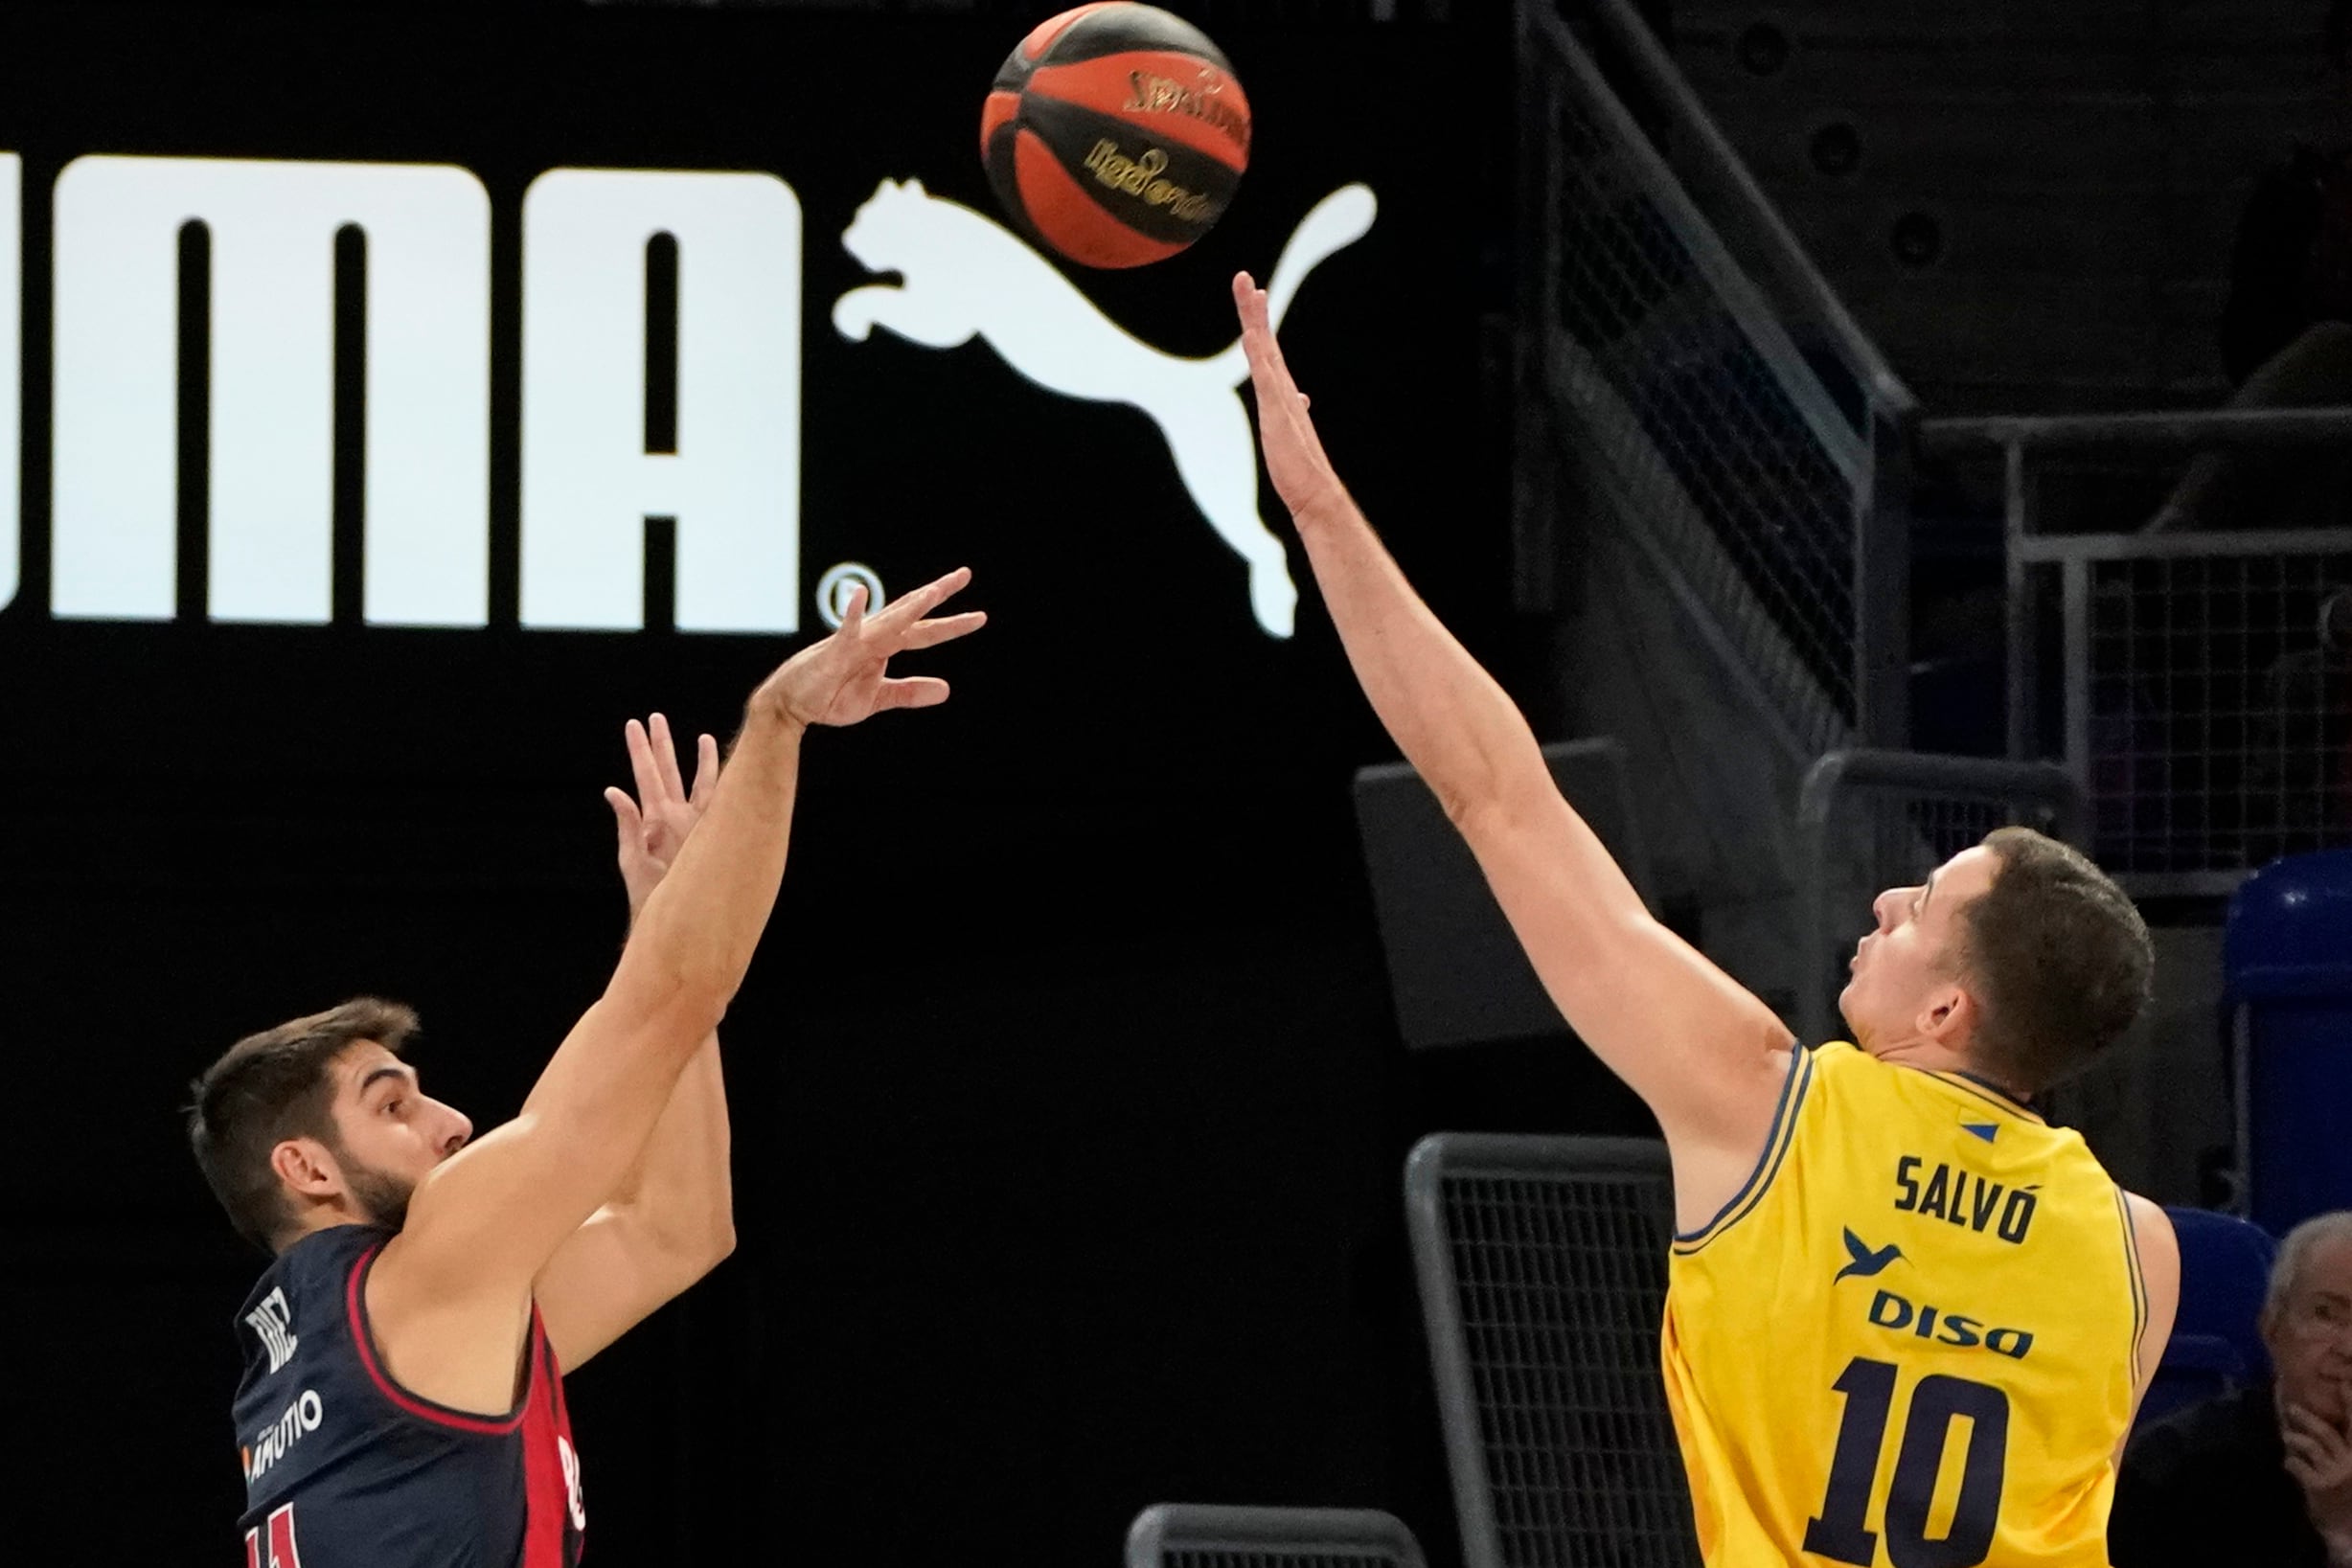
pixel 403 1403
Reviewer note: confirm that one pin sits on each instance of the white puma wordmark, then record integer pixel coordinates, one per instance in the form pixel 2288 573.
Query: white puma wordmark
pixel 966 274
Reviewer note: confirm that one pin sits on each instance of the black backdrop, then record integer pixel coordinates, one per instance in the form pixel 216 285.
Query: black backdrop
pixel 1068 1109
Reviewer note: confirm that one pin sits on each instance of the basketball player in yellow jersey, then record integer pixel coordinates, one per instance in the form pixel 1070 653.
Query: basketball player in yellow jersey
pixel 1907 1322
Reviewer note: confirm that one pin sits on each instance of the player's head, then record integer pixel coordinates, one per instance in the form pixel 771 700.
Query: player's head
pixel 2018 955
pixel 318 1122
pixel 2307 1317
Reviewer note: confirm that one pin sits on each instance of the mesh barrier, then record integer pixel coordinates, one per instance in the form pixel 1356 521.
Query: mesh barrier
pixel 2219 727
pixel 1542 1264
pixel 1723 441
pixel 1874 820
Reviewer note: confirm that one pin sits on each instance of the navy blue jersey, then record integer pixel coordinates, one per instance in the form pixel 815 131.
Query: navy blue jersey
pixel 343 1468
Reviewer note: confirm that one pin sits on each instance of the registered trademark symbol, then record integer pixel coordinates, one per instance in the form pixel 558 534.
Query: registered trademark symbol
pixel 832 591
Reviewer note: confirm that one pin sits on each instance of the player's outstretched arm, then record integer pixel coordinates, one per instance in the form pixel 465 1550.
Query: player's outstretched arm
pixel 1705 1054
pixel 672 1219
pixel 484 1221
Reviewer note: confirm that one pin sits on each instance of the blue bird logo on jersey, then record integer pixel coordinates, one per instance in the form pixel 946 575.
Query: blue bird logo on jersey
pixel 1866 1263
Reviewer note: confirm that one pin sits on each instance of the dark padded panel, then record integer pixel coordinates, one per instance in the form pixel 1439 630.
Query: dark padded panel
pixel 1455 972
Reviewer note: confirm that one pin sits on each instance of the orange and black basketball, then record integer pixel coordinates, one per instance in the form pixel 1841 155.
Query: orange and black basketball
pixel 1115 135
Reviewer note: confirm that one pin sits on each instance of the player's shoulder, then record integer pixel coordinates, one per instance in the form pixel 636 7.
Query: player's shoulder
pixel 1842 1074
pixel 295 1310
pixel 318 1269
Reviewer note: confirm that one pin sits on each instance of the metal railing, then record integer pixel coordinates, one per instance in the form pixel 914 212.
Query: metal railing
pixel 2202 708
pixel 1871 820
pixel 1218 1536
pixel 1750 437
pixel 1542 1262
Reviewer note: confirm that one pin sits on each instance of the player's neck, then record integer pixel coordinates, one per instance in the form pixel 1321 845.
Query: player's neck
pixel 1933 1055
pixel 326 1218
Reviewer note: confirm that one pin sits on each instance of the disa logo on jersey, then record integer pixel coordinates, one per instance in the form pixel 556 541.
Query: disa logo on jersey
pixel 1897 1313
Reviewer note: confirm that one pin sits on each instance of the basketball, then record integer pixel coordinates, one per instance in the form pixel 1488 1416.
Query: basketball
pixel 1115 135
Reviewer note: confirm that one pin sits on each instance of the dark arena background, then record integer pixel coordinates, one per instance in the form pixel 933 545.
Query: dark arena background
pixel 1793 405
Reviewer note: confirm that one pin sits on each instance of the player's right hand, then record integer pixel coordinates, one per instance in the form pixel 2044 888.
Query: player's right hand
pixel 846 677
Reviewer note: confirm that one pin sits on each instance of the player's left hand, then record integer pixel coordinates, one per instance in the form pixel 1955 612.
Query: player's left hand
pixel 2319 1459
pixel 655 824
pixel 1295 460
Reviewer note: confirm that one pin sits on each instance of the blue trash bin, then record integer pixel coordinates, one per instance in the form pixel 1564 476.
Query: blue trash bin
pixel 2287 955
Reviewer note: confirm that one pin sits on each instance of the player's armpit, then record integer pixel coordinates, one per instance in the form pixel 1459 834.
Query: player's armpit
pixel 612 1274
pixel 1706 1057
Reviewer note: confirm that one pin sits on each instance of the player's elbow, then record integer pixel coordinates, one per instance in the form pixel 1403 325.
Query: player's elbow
pixel 694 1256
pixel 682 1002
pixel 1487 805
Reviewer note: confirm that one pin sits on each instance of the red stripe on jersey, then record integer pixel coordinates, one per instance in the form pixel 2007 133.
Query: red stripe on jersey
pixel 440 1414
pixel 547 1490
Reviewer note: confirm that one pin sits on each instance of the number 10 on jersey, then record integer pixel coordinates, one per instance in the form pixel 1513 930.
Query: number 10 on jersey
pixel 1839 1531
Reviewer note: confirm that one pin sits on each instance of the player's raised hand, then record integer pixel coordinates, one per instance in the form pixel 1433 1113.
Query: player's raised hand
pixel 1294 459
pixel 846 677
pixel 655 821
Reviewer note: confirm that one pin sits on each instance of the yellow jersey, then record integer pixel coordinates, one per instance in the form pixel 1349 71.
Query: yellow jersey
pixel 1912 1339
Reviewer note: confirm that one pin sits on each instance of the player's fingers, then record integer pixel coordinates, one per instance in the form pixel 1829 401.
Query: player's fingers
pixel 854 611
pixel 946 628
pixel 1246 298
pixel 706 771
pixel 1257 327
pixel 913 691
pixel 909 608
pixel 625 816
pixel 641 761
pixel 1269 372
pixel 665 758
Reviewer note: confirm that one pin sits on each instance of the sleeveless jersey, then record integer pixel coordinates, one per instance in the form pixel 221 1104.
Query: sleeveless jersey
pixel 343 1468
pixel 1912 1339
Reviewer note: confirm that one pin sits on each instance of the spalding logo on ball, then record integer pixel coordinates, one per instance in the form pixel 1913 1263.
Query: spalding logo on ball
pixel 1115 135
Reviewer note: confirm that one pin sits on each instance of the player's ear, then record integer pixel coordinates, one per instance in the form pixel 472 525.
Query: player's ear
pixel 305 1166
pixel 1947 1014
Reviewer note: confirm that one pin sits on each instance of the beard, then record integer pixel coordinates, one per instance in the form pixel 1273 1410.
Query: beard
pixel 381 1194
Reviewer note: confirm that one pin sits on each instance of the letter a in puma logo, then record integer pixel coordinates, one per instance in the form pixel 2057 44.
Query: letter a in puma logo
pixel 964 274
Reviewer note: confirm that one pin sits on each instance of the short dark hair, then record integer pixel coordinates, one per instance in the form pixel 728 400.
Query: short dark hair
pixel 272 1087
pixel 2059 960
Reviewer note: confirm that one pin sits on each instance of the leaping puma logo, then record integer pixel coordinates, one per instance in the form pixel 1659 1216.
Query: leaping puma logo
pixel 966 274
